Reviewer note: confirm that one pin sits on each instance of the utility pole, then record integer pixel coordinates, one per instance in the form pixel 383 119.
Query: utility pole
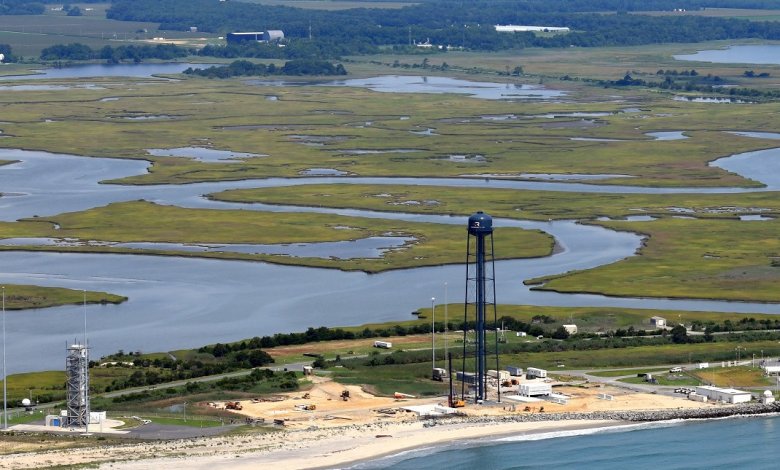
pixel 433 334
pixel 445 319
pixel 5 376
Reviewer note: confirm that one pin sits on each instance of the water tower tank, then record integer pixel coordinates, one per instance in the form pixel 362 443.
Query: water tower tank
pixel 480 223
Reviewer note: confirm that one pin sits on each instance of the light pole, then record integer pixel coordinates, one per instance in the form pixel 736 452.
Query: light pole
pixel 445 321
pixel 433 333
pixel 5 376
pixel 185 411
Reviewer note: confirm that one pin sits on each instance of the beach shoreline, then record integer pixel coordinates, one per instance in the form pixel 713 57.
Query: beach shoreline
pixel 356 445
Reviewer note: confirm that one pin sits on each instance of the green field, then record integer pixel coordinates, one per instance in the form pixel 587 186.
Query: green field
pixel 29 34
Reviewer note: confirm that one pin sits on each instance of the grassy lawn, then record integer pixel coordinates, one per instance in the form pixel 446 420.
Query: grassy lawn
pixel 679 380
pixel 741 376
pixel 622 372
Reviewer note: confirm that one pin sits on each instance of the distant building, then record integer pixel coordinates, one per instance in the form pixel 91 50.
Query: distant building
pixel 726 395
pixel 256 36
pixel 571 329
pixel 771 368
pixel 273 35
pixel 513 28
pixel 659 322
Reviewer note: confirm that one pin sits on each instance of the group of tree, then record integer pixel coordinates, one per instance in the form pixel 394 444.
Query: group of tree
pixel 78 51
pixel 466 24
pixel 146 371
pixel 709 84
pixel 269 380
pixel 242 68
pixel 7 52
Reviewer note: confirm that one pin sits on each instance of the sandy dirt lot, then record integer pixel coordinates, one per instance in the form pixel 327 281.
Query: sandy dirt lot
pixel 337 432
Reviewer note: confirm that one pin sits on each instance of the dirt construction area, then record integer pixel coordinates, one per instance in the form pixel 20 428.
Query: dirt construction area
pixel 324 405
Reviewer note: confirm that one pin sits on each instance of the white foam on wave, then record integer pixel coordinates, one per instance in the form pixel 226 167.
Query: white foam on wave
pixel 588 431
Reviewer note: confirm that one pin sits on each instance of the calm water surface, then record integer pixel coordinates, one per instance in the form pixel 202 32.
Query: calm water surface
pixel 748 54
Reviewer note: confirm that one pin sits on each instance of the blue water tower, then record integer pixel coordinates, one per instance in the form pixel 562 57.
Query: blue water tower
pixel 480 297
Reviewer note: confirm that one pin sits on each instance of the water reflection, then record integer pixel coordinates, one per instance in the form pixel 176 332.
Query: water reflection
pixel 742 54
pixel 430 84
pixel 204 154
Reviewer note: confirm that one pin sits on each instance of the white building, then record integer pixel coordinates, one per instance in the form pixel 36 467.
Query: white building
pixel 534 389
pixel 571 329
pixel 513 28
pixel 659 322
pixel 771 368
pixel 726 395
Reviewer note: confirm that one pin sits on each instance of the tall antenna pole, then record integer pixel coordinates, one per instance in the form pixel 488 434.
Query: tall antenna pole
pixel 86 365
pixel 433 333
pixel 445 319
pixel 5 376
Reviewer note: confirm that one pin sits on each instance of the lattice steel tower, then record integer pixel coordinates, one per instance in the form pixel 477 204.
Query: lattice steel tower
pixel 480 297
pixel 77 393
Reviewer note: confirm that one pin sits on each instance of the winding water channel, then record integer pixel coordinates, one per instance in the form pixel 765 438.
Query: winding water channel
pixel 178 302
pixel 183 302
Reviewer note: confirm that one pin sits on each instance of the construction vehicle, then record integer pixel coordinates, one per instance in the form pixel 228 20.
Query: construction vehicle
pixel 233 405
pixel 345 395
pixel 457 403
pixel 306 396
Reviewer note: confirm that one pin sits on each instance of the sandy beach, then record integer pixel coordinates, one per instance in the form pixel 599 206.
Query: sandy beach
pixel 305 449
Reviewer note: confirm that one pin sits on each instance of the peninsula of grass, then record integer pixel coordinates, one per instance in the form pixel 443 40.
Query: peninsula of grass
pixel 710 255
pixel 688 258
pixel 428 244
pixel 23 297
pixel 510 203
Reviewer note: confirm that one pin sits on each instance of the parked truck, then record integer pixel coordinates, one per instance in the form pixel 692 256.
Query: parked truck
pixel 533 373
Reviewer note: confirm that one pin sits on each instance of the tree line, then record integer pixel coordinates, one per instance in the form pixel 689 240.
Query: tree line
pixel 466 24
pixel 78 51
pixel 241 68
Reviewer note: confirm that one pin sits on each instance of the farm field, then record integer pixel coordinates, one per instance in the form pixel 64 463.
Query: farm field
pixel 29 34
